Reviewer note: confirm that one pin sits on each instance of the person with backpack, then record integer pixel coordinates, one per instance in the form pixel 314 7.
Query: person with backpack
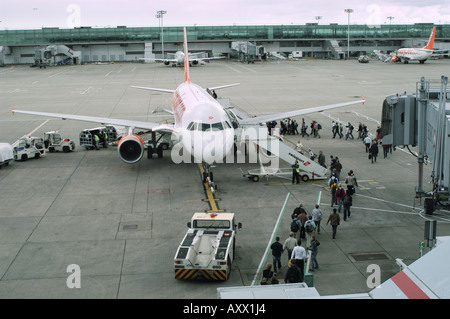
pixel 340 193
pixel 314 251
pixel 293 273
pixel 295 227
pixel 347 202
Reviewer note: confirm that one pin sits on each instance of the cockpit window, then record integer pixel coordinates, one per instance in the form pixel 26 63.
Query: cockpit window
pixel 191 126
pixel 217 126
pixel 204 127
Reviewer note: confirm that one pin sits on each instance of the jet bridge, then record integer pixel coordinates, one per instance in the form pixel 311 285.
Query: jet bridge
pixel 423 120
pixel 60 54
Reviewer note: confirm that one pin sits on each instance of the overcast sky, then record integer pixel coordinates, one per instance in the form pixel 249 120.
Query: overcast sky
pixel 28 14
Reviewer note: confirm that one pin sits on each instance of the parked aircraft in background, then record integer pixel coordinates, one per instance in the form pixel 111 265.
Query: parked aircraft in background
pixel 177 59
pixel 412 54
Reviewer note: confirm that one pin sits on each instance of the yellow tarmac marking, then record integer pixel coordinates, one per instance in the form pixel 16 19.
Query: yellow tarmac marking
pixel 210 197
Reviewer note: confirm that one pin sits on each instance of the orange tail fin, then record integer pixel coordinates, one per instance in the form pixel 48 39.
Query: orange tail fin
pixel 187 74
pixel 430 44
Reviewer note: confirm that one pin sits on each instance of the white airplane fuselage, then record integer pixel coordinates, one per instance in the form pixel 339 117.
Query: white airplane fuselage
pixel 414 54
pixel 204 126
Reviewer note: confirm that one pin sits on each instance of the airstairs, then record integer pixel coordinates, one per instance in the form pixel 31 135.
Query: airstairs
pixel 336 50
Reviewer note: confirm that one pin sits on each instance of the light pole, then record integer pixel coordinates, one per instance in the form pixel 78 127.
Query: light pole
pixel 348 31
pixel 318 18
pixel 390 19
pixel 160 15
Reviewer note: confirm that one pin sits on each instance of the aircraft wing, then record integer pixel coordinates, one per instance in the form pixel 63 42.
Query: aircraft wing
pixel 101 120
pixel 158 60
pixel 279 116
pixel 207 59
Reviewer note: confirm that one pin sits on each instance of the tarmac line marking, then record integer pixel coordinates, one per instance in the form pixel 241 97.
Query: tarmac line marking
pixel 107 74
pixel 209 194
pixel 30 133
pixel 275 231
pixel 231 68
pixel 248 69
pixel 386 201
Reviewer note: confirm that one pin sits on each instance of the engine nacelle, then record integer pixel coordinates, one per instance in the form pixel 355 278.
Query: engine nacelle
pixel 195 62
pixel 166 62
pixel 395 59
pixel 131 149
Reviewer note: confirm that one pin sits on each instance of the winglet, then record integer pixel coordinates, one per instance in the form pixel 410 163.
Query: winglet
pixel 430 44
pixel 364 99
pixel 187 75
pixel 12 110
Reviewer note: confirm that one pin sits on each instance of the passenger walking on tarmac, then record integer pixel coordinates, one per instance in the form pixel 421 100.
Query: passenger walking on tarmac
pixel 317 217
pixel 313 247
pixel 360 130
pixel 333 183
pixel 289 245
pixel 367 142
pixel 299 254
pixel 347 203
pixel 295 227
pixel 338 168
pixel 293 273
pixel 340 193
pixel 310 227
pixel 341 129
pixel 334 219
pixel 296 172
pixel 373 152
pixel 277 250
pixel 303 218
pixel 350 181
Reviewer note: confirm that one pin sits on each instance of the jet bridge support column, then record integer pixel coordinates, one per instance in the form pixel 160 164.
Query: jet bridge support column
pixel 421 107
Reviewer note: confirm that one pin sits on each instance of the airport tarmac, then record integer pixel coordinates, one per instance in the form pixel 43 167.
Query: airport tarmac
pixel 121 224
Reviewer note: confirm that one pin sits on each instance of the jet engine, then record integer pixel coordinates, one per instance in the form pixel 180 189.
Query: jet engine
pixel 395 59
pixel 131 149
pixel 166 62
pixel 195 62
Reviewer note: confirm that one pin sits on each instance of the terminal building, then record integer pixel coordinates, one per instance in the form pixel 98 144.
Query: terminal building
pixel 126 44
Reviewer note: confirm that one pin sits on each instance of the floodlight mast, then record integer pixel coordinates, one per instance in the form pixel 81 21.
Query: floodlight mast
pixel 160 15
pixel 348 31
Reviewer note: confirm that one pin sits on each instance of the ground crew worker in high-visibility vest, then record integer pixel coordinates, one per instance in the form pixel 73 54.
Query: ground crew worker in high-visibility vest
pixel 296 172
pixel 96 141
pixel 106 139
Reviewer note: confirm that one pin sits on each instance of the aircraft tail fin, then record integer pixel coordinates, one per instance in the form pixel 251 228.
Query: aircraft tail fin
pixel 187 74
pixel 430 44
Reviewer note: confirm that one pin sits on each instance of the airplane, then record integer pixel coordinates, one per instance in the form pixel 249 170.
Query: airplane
pixel 411 54
pixel 202 127
pixel 177 59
